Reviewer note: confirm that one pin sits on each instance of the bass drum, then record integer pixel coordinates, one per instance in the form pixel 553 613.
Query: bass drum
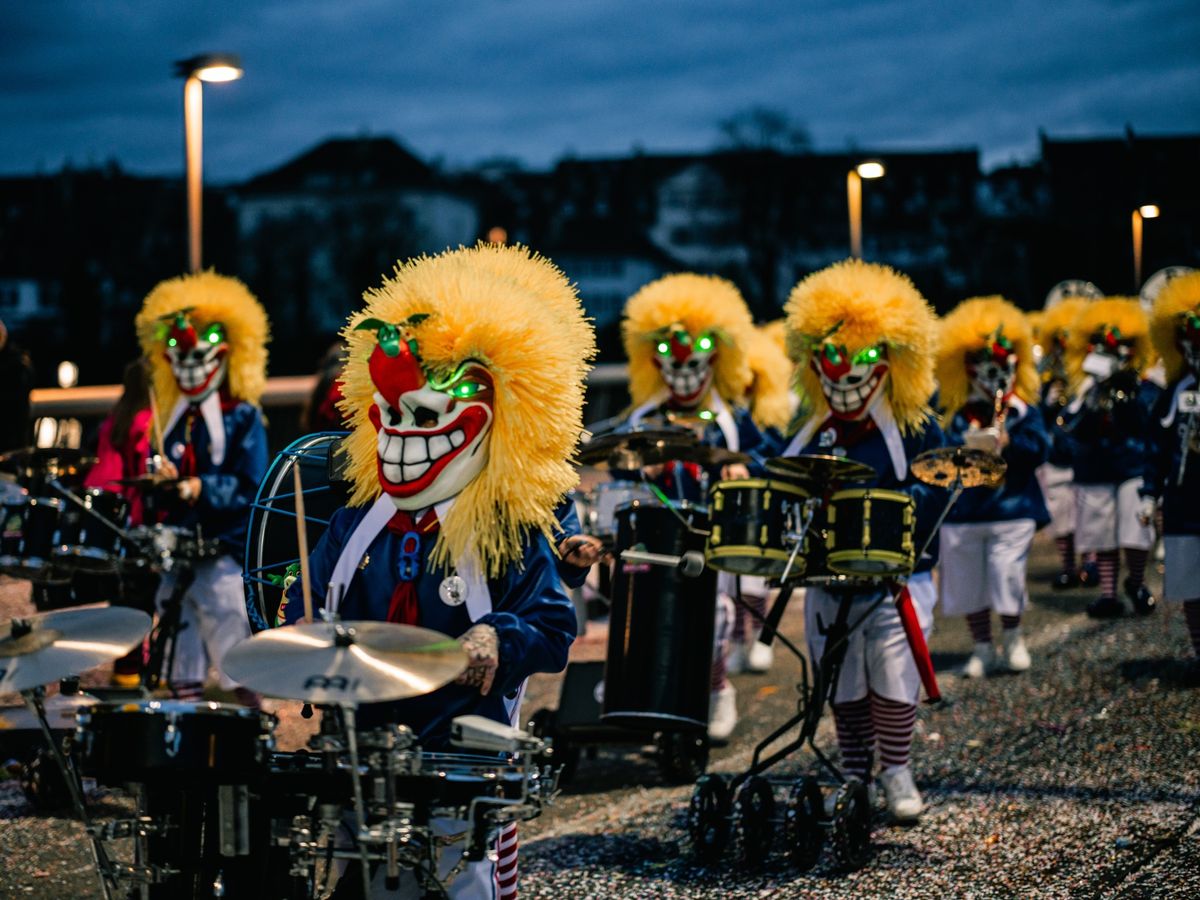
pixel 271 536
pixel 660 634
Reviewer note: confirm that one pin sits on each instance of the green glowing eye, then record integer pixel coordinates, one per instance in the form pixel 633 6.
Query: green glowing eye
pixel 831 354
pixel 663 347
pixel 707 415
pixel 214 338
pixel 171 342
pixel 465 389
pixel 868 356
pixel 705 343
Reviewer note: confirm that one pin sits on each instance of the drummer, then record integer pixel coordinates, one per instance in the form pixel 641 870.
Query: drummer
pixel 688 338
pixel 205 336
pixel 863 339
pixel 464 392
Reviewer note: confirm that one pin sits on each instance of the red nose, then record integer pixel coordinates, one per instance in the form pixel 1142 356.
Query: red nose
pixel 679 350
pixel 395 375
pixel 834 370
pixel 185 338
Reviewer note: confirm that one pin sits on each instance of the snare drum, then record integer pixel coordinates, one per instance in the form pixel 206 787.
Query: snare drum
pixel 750 521
pixel 154 741
pixel 607 498
pixel 31 530
pixel 85 542
pixel 445 784
pixel 870 532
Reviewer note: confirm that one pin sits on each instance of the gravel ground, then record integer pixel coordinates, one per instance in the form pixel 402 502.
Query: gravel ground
pixel 1077 779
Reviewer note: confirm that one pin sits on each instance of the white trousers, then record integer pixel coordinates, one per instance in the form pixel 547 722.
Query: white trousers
pixel 878 656
pixel 1058 489
pixel 1181 572
pixel 213 619
pixel 983 566
pixel 1106 517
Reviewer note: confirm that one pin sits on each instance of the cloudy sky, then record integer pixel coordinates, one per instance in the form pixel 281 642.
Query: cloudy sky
pixel 465 80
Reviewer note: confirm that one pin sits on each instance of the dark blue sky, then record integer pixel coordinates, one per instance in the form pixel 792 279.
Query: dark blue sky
pixel 465 80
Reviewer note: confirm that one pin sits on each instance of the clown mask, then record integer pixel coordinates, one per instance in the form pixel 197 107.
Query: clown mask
pixel 197 359
pixel 992 368
pixel 1108 353
pixel 432 431
pixel 686 364
pixel 851 384
pixel 1189 341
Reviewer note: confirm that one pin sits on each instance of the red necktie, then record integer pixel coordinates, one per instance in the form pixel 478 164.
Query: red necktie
pixel 187 462
pixel 405 606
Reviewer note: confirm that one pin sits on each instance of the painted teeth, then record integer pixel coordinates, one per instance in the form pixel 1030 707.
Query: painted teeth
pixel 847 399
pixel 683 382
pixel 192 375
pixel 407 457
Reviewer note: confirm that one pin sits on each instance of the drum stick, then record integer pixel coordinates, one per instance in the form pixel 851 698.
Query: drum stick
pixel 302 542
pixel 158 435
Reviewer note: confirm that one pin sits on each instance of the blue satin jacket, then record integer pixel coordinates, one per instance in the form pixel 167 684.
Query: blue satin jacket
pixel 532 616
pixel 1168 448
pixel 1110 446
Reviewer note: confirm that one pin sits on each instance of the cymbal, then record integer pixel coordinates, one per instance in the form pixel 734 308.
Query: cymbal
pixel 46 458
pixel 346 663
pixel 945 466
pixel 39 649
pixel 819 468
pixel 649 447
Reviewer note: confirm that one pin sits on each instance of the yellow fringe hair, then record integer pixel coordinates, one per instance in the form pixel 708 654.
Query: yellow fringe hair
pixel 516 312
pixel 212 298
pixel 770 390
pixel 1057 320
pixel 965 329
pixel 875 305
pixel 698 303
pixel 1125 313
pixel 1180 295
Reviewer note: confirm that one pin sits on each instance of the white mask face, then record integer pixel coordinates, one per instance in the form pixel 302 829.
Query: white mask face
pixel 686 365
pixel 198 361
pixel 992 375
pixel 852 385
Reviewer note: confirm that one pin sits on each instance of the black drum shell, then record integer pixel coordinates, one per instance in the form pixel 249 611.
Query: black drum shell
pixel 120 743
pixel 881 546
pixel 749 519
pixel 87 543
pixel 454 780
pixel 660 634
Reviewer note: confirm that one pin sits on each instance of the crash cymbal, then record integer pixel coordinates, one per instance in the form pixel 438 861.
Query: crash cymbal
pixel 637 448
pixel 946 466
pixel 37 650
pixel 819 468
pixel 51 460
pixel 346 663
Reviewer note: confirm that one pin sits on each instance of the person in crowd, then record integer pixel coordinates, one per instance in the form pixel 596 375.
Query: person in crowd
pixel 16 381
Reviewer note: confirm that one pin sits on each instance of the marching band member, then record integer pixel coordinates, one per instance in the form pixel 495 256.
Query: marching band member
pixel 1106 425
pixel 205 336
pixel 1173 469
pixel 863 339
pixel 463 388
pixel 987 381
pixel 688 339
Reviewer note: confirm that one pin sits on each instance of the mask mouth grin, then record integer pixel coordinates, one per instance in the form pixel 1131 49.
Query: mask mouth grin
pixel 845 399
pixel 411 460
pixel 686 384
pixel 195 377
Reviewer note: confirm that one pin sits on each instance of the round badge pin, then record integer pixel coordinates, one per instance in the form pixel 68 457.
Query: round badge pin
pixel 453 590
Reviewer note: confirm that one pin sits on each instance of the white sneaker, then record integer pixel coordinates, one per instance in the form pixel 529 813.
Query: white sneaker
pixel 722 713
pixel 983 657
pixel 1014 653
pixel 903 799
pixel 760 657
pixel 735 662
pixel 831 799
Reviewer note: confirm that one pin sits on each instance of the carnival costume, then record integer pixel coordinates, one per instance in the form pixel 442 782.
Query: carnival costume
pixel 1106 427
pixel 1173 469
pixel 863 339
pixel 688 339
pixel 464 390
pixel 205 336
pixel 988 385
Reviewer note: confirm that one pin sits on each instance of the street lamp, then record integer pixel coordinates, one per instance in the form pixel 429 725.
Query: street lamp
pixel 1148 211
pixel 854 180
pixel 213 68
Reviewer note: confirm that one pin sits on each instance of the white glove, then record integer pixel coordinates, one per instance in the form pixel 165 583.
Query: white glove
pixel 985 439
pixel 1146 510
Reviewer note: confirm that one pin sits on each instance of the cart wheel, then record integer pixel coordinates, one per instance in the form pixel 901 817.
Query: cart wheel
pixel 753 821
pixel 850 832
pixel 682 758
pixel 708 817
pixel 802 823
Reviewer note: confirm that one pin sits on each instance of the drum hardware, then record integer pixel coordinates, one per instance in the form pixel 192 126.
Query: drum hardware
pixel 1187 441
pixel 819 469
pixel 690 564
pixel 638 448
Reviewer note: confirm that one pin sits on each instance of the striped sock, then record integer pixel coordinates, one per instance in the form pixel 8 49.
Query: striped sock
pixel 506 862
pixel 192 691
pixel 718 675
pixel 855 736
pixel 894 723
pixel 1066 551
pixel 1191 613
pixel 1107 561
pixel 980 624
pixel 746 622
pixel 1008 623
pixel 1135 562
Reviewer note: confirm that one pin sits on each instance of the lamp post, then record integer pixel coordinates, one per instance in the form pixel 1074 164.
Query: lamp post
pixel 210 67
pixel 854 180
pixel 1149 211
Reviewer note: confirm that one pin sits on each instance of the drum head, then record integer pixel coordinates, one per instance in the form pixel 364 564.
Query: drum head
pixel 271 545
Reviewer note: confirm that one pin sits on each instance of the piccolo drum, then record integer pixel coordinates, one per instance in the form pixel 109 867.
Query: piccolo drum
pixel 86 543
pixel 660 634
pixel 870 532
pixel 751 521
pixel 604 501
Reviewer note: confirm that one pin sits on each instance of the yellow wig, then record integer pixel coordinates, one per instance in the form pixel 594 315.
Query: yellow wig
pixel 209 297
pixel 1180 295
pixel 697 303
pixel 867 304
pixel 515 312
pixel 967 328
pixel 1057 320
pixel 1124 313
pixel 770 390
pixel 1034 318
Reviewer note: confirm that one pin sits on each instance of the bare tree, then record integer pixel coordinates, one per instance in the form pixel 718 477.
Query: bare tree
pixel 764 128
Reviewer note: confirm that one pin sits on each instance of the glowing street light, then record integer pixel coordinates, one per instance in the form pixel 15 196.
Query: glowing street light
pixel 854 180
pixel 1148 211
pixel 213 68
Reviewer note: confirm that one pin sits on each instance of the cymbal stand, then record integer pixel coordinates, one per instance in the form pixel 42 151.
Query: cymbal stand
pixel 33 698
pixel 360 817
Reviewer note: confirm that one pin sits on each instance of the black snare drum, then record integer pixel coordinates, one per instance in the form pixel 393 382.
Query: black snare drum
pixel 34 538
pixel 871 532
pixel 750 521
pixel 660 634
pixel 167 740
pixel 86 543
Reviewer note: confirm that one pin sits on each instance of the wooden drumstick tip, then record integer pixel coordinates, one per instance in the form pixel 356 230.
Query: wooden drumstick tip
pixel 302 540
